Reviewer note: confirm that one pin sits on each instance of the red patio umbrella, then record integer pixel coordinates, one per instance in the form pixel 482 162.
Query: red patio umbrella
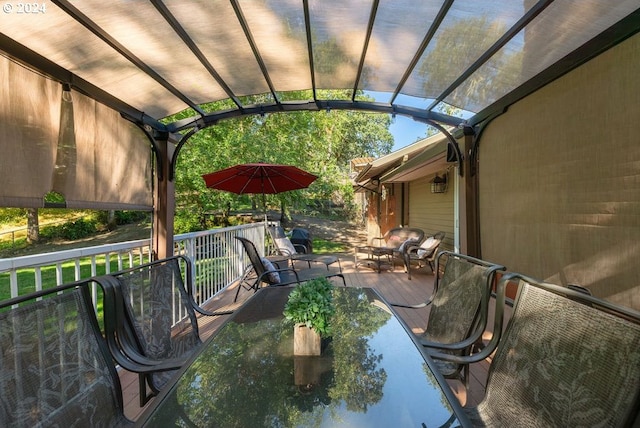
pixel 259 178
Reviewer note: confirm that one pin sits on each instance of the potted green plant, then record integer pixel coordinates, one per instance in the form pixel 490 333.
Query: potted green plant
pixel 310 308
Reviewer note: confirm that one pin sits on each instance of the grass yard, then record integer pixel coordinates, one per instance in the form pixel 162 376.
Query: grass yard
pixel 50 276
pixel 321 246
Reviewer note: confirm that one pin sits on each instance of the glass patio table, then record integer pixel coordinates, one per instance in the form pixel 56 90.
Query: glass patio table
pixel 371 373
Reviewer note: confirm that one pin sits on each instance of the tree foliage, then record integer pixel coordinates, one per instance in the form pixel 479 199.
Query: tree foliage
pixel 449 53
pixel 319 142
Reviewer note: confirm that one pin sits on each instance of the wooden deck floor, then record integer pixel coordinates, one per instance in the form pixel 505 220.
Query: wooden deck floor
pixel 393 285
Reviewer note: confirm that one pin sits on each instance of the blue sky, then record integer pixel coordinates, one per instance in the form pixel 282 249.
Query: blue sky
pixel 406 131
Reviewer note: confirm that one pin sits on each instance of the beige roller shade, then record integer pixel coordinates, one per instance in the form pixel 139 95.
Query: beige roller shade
pixel 55 140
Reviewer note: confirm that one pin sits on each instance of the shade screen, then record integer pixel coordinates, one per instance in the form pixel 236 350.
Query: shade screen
pixel 74 146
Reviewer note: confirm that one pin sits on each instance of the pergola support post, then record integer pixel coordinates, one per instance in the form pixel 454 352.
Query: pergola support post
pixel 165 201
pixel 468 198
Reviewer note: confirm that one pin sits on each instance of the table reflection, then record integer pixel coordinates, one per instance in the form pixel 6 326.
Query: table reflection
pixel 370 372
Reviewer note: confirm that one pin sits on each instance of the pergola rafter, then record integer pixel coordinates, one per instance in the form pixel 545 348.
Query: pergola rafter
pixel 382 19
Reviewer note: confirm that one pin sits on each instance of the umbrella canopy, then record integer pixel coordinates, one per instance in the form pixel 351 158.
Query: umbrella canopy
pixel 259 178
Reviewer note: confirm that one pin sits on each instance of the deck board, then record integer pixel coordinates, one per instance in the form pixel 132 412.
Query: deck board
pixel 394 287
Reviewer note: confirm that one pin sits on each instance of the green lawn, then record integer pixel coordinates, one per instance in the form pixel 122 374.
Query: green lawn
pixel 321 246
pixel 27 279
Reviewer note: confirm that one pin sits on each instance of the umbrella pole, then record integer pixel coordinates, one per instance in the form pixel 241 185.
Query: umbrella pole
pixel 264 207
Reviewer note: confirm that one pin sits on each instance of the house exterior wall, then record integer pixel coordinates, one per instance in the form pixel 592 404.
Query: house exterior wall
pixel 559 180
pixel 432 212
pixel 383 213
pixel 389 208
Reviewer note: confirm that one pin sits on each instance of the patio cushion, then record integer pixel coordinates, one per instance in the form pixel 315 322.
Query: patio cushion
pixel 272 276
pixel 426 246
pixel 285 245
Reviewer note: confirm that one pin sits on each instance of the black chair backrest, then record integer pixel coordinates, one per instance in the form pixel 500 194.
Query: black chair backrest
pixel 55 368
pixel 254 257
pixel 565 359
pixel 160 313
pixel 461 298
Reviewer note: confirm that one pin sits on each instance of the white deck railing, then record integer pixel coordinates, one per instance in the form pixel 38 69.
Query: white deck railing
pixel 217 260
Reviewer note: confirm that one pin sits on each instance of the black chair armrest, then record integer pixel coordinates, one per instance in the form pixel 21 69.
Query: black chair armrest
pixel 301 249
pixel 417 306
pixel 446 346
pixel 117 338
pixel 203 311
pixel 189 287
pixel 411 247
pixel 144 365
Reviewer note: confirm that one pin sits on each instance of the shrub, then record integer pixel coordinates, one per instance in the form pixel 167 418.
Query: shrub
pixel 127 217
pixel 71 231
pixel 78 229
pixel 311 303
pixel 185 223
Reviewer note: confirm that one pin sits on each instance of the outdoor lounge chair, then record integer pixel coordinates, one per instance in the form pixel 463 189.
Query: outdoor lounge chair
pixel 565 359
pixel 421 254
pixel 148 295
pixel 298 252
pixel 268 274
pixel 55 368
pixel 459 306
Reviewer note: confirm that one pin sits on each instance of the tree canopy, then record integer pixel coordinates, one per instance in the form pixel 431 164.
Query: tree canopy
pixel 321 143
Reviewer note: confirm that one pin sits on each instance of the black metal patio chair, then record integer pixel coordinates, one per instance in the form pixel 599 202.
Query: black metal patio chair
pixel 159 318
pixel 565 359
pixel 459 309
pixel 268 274
pixel 55 368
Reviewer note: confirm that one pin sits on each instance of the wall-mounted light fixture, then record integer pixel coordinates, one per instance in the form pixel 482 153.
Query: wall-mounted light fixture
pixel 439 184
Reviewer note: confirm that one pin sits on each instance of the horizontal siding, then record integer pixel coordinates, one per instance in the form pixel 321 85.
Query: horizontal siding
pixel 432 212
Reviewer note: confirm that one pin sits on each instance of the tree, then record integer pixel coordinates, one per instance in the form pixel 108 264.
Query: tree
pixel 319 142
pixel 33 226
pixel 449 53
